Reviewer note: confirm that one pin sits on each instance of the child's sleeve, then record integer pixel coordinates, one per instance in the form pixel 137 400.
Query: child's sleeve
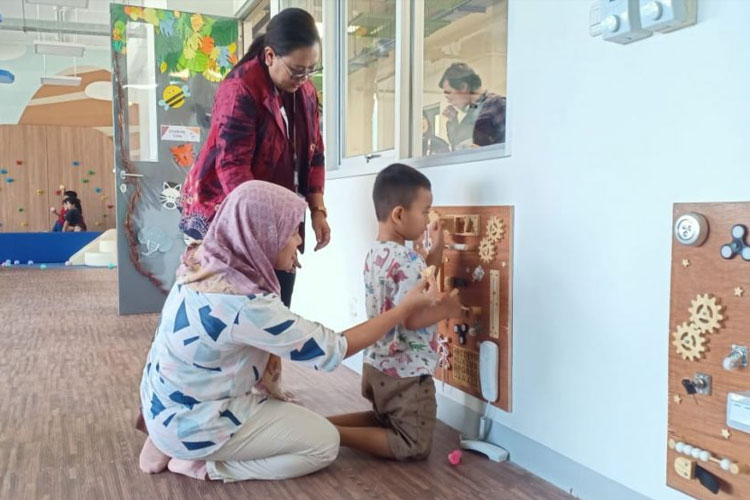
pixel 268 325
pixel 405 273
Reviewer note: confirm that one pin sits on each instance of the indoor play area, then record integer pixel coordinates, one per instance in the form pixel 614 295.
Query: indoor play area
pixel 357 249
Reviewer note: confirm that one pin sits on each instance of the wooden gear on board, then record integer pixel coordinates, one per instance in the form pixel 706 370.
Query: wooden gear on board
pixel 477 261
pixel 709 314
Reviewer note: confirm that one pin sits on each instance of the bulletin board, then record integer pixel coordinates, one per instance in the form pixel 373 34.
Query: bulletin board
pixel 478 262
pixel 709 323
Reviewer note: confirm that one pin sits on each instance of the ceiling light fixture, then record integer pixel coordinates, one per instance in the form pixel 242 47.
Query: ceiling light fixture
pixel 74 4
pixel 67 81
pixel 53 48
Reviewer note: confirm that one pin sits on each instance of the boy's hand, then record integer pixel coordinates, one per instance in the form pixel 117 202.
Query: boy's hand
pixel 424 294
pixel 451 304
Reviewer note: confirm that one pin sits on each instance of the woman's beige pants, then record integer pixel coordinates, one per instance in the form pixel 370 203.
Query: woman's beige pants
pixel 279 440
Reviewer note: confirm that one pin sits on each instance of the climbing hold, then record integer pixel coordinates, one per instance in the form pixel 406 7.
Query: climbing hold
pixel 43 267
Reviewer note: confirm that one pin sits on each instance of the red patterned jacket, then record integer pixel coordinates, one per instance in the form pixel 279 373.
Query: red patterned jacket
pixel 248 140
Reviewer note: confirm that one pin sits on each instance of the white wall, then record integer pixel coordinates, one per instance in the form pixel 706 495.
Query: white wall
pixel 604 139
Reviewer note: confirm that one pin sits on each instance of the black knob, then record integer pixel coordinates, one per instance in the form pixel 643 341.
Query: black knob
pixel 689 386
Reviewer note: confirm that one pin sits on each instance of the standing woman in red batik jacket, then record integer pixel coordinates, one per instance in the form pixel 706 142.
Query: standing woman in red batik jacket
pixel 264 126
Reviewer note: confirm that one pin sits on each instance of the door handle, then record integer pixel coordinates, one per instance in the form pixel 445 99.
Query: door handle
pixel 124 175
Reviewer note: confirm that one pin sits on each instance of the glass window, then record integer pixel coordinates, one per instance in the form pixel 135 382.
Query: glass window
pixel 463 75
pixel 370 77
pixel 255 23
pixel 140 84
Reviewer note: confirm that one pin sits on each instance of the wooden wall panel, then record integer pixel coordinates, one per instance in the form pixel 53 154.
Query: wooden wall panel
pixel 699 420
pixel 47 154
pixel 94 152
pixel 27 145
pixel 461 264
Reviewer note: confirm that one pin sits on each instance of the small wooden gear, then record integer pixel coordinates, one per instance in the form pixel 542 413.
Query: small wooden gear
pixel 495 229
pixel 486 250
pixel 705 313
pixel 428 272
pixel 689 340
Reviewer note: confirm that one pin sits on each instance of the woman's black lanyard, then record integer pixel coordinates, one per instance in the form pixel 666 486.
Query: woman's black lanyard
pixel 291 135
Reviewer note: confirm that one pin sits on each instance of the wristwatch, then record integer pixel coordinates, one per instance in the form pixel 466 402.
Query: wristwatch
pixel 319 208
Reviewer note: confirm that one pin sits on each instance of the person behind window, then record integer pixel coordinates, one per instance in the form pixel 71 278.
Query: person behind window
pixel 431 143
pixel 484 120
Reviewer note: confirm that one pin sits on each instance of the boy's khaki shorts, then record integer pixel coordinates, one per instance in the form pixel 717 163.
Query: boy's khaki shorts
pixel 406 407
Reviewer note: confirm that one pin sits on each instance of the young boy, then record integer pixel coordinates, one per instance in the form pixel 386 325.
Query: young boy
pixel 61 214
pixel 73 215
pixel 397 371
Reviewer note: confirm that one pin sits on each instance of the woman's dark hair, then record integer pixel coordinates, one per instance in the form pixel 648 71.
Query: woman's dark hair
pixel 70 194
pixel 289 30
pixel 460 73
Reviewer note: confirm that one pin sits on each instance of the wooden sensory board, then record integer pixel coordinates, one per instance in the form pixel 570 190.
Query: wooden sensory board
pixel 699 420
pixel 463 373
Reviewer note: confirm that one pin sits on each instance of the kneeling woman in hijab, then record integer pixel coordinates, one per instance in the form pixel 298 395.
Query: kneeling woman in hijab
pixel 209 392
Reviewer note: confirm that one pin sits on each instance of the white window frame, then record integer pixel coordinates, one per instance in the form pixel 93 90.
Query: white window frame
pixel 334 96
pixel 409 87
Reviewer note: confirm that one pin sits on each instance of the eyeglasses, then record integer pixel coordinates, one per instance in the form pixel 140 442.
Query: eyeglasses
pixel 300 75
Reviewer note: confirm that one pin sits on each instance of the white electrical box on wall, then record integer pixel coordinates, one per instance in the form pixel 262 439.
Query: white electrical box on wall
pixel 668 15
pixel 626 21
pixel 738 411
pixel 489 357
pixel 620 21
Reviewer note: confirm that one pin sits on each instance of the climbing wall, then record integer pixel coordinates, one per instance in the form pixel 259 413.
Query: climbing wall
pixel 36 161
pixel 708 447
pixel 477 261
